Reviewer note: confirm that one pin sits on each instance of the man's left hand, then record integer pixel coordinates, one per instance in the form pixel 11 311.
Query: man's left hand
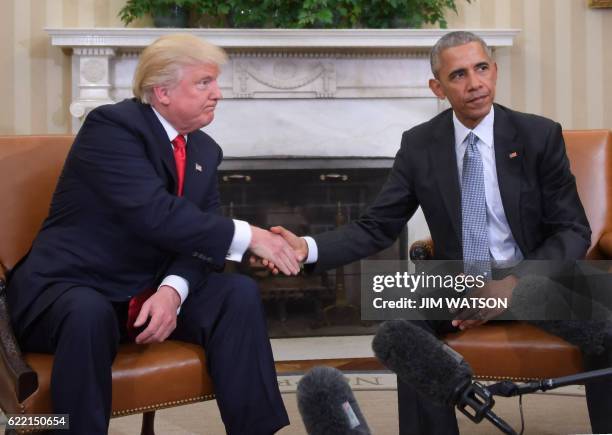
pixel 471 317
pixel 161 307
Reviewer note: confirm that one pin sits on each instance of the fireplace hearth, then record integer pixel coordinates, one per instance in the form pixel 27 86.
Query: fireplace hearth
pixel 307 196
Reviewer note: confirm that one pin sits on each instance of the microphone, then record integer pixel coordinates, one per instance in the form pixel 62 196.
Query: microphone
pixel 434 370
pixel 327 404
pixel 536 298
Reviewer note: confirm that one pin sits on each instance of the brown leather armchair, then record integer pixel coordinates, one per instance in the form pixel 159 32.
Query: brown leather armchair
pixel 145 377
pixel 517 350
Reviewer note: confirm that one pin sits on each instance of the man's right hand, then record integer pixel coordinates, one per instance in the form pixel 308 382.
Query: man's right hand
pixel 161 309
pixel 274 249
pixel 471 317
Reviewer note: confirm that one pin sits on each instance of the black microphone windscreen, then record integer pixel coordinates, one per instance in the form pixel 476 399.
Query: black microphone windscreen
pixel 543 303
pixel 538 298
pixel 588 335
pixel 421 360
pixel 327 404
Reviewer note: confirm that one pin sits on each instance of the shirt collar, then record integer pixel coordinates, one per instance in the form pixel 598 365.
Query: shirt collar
pixel 484 130
pixel 170 131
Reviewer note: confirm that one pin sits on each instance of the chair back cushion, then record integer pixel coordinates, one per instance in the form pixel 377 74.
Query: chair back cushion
pixel 590 155
pixel 30 167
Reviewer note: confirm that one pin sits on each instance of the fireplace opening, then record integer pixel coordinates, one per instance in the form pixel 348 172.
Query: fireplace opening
pixel 307 196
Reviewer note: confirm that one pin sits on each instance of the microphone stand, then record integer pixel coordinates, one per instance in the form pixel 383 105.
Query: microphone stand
pixel 510 389
pixel 475 401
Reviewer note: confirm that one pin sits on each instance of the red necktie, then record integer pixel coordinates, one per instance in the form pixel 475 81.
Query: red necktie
pixel 137 301
pixel 133 309
pixel 179 158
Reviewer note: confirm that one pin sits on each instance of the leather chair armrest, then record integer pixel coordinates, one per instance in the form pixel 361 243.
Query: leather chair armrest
pixel 605 245
pixel 16 374
pixel 422 250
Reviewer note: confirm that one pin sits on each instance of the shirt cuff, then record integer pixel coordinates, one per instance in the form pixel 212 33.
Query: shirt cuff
pixel 313 251
pixel 240 241
pixel 180 284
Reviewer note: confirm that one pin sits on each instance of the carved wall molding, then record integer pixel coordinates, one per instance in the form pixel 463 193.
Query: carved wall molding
pixel 273 38
pixel 93 51
pixel 93 70
pixel 91 82
pixel 286 74
pixel 283 77
pixel 270 76
pixel 123 53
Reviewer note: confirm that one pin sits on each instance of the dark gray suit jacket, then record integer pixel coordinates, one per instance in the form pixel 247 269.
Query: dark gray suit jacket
pixel 538 193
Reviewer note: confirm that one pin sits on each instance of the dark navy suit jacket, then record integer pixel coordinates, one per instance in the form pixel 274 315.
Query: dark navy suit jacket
pixel 537 189
pixel 115 223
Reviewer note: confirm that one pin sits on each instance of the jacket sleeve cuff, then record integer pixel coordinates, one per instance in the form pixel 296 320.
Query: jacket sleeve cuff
pixel 240 241
pixel 313 251
pixel 179 284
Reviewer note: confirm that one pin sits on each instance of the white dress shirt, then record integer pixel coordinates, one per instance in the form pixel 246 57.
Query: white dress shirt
pixel 240 241
pixel 502 246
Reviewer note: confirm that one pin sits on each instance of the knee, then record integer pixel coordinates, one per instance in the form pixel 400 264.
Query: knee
pixel 243 292
pixel 90 315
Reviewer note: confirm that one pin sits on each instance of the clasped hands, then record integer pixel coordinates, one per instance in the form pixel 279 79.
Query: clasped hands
pixel 285 259
pixel 278 250
pixel 471 317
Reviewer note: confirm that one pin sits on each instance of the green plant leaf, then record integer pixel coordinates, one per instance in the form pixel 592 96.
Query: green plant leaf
pixel 306 13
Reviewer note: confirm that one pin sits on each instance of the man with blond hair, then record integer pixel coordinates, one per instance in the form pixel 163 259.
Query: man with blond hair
pixel 133 246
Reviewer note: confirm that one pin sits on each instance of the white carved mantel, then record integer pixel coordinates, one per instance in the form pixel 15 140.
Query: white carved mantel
pixel 287 92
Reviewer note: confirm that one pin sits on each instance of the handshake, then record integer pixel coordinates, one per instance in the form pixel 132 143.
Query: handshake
pixel 278 249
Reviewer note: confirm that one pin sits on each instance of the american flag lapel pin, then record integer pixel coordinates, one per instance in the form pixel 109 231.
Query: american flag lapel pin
pixel 198 167
pixel 513 154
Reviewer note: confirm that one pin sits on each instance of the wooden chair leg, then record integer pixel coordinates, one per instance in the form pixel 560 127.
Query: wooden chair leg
pixel 148 423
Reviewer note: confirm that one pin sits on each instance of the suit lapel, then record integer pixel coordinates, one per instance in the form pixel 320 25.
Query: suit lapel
pixel 508 161
pixel 194 167
pixel 163 145
pixel 444 160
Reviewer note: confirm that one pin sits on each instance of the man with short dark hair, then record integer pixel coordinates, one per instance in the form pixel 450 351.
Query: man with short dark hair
pixel 135 235
pixel 495 187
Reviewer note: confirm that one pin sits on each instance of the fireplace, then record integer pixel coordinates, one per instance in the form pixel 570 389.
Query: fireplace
pixel 307 196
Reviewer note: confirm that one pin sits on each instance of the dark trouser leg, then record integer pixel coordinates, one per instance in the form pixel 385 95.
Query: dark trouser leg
pixel 226 317
pixel 80 328
pixel 599 393
pixel 417 414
